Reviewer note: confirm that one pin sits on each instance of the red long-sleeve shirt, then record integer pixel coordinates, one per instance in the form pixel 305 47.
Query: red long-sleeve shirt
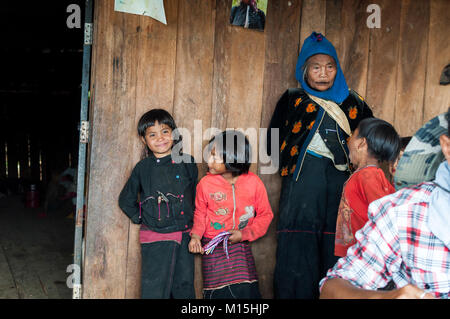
pixel 363 187
pixel 221 206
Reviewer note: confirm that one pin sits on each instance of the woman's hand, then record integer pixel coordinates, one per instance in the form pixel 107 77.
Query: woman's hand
pixel 236 236
pixel 195 245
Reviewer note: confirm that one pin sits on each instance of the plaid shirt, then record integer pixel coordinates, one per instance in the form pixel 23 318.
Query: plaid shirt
pixel 397 244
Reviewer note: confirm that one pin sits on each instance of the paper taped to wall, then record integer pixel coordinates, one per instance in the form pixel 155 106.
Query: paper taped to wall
pixel 151 8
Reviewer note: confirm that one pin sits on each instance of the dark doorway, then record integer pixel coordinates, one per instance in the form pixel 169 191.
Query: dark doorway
pixel 40 92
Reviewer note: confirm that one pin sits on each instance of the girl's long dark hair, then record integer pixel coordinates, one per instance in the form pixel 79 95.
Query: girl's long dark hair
pixel 234 149
pixel 383 141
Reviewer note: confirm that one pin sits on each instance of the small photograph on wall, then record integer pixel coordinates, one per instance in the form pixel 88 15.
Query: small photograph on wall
pixel 249 14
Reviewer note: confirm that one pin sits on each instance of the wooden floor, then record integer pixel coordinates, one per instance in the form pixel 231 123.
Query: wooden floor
pixel 34 252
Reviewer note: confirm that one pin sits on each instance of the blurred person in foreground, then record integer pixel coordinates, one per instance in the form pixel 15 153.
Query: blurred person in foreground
pixel 406 240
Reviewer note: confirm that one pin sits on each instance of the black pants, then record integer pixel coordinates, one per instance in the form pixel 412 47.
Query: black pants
pixel 306 228
pixel 167 270
pixel 234 291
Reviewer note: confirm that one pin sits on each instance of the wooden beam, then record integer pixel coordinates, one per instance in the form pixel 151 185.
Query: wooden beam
pixel 313 18
pixel 194 72
pixel 414 25
pixel 114 83
pixel 354 44
pixel 246 82
pixel 383 61
pixel 437 97
pixel 333 23
pixel 222 56
pixel 155 84
pixel 282 46
pixel 194 83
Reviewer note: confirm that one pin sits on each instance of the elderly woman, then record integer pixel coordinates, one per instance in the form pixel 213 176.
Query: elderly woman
pixel 314 122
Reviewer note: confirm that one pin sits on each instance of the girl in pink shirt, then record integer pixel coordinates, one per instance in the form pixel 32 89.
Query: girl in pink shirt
pixel 231 205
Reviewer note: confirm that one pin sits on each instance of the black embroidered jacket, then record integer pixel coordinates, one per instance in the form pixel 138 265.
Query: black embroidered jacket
pixel 167 193
pixel 298 118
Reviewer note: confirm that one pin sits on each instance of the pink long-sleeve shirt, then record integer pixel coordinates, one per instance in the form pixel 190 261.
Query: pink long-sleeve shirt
pixel 221 206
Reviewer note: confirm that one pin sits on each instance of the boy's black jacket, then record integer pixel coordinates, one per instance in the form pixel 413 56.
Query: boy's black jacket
pixel 166 191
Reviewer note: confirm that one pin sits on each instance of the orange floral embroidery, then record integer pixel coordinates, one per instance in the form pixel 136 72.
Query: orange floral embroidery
pixel 353 112
pixel 293 169
pixel 284 171
pixel 297 101
pixel 297 127
pixel 310 108
pixel 294 150
pixel 283 145
pixel 310 125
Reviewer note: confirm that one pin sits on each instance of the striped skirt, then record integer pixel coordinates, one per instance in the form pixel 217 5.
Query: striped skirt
pixel 219 271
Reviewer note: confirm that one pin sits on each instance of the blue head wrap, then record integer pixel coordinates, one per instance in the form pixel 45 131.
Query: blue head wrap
pixel 316 43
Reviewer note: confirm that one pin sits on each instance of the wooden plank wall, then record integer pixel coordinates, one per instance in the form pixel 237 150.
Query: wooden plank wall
pixel 200 68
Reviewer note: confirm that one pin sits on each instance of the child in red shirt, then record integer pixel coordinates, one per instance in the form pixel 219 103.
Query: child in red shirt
pixel 373 142
pixel 230 201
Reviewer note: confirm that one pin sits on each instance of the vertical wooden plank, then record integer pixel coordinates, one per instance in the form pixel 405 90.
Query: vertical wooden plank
pixel 313 18
pixel 414 26
pixel 437 97
pixel 155 89
pixel 194 70
pixel 383 60
pixel 282 44
pixel 107 227
pixel 155 58
pixel 354 46
pixel 194 84
pixel 246 92
pixel 246 76
pixel 333 23
pixel 221 78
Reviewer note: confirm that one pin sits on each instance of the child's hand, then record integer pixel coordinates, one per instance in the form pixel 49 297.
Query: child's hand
pixel 236 236
pixel 195 245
